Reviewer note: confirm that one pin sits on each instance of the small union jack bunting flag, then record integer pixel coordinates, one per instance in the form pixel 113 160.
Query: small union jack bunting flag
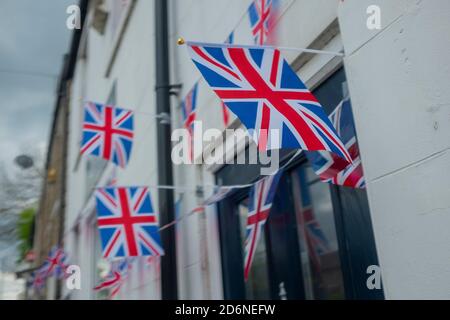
pixel 37 280
pixel 55 264
pixel 262 15
pixel 112 280
pixel 260 201
pixel 116 277
pixel 262 90
pixel 127 223
pixel 333 169
pixel 188 108
pixel 107 133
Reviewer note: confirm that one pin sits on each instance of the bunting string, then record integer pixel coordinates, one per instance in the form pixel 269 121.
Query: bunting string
pixel 232 45
pixel 183 189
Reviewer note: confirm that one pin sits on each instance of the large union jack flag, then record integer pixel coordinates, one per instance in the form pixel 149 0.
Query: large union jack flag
pixel 260 87
pixel 55 264
pixel 260 14
pixel 107 132
pixel 333 169
pixel 260 201
pixel 127 223
pixel 188 107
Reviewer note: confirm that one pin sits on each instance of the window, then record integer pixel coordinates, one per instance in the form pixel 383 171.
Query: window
pixel 319 250
pixel 257 285
pixel 317 241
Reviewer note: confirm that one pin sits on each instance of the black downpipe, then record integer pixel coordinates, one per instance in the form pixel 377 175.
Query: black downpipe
pixel 63 106
pixel 165 177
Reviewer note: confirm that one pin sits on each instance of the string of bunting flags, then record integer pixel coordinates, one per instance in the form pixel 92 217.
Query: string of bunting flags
pixel 260 88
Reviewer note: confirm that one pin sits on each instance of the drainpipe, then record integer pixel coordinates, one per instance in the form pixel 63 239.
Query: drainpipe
pixel 165 177
pixel 62 105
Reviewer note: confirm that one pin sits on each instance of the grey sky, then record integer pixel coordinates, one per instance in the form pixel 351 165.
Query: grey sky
pixel 33 39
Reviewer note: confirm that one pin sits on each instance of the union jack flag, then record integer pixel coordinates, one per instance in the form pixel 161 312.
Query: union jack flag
pixel 116 277
pixel 331 168
pixel 260 87
pixel 188 107
pixel 261 21
pixel 127 223
pixel 37 280
pixel 54 264
pixel 107 133
pixel 260 201
pixel 112 280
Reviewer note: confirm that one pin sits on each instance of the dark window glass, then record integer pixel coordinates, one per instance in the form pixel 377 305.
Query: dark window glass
pixel 319 251
pixel 257 285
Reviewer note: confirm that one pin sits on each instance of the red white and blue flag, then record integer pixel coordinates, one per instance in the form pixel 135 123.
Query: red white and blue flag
pixel 333 169
pixel 260 201
pixel 37 280
pixel 188 107
pixel 55 264
pixel 107 133
pixel 112 280
pixel 116 277
pixel 262 15
pixel 127 223
pixel 262 90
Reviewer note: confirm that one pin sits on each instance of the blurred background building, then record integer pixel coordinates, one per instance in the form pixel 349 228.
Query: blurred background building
pixel 397 78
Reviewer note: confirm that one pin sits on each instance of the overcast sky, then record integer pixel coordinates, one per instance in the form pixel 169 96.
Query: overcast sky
pixel 33 40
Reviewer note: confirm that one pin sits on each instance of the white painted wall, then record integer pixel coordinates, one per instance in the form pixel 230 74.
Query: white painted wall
pixel 398 80
pixel 133 70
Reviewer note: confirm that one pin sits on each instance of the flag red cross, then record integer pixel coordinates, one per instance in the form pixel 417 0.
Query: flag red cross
pixel 54 262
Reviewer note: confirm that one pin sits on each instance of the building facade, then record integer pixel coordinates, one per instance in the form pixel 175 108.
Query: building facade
pixel 396 78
